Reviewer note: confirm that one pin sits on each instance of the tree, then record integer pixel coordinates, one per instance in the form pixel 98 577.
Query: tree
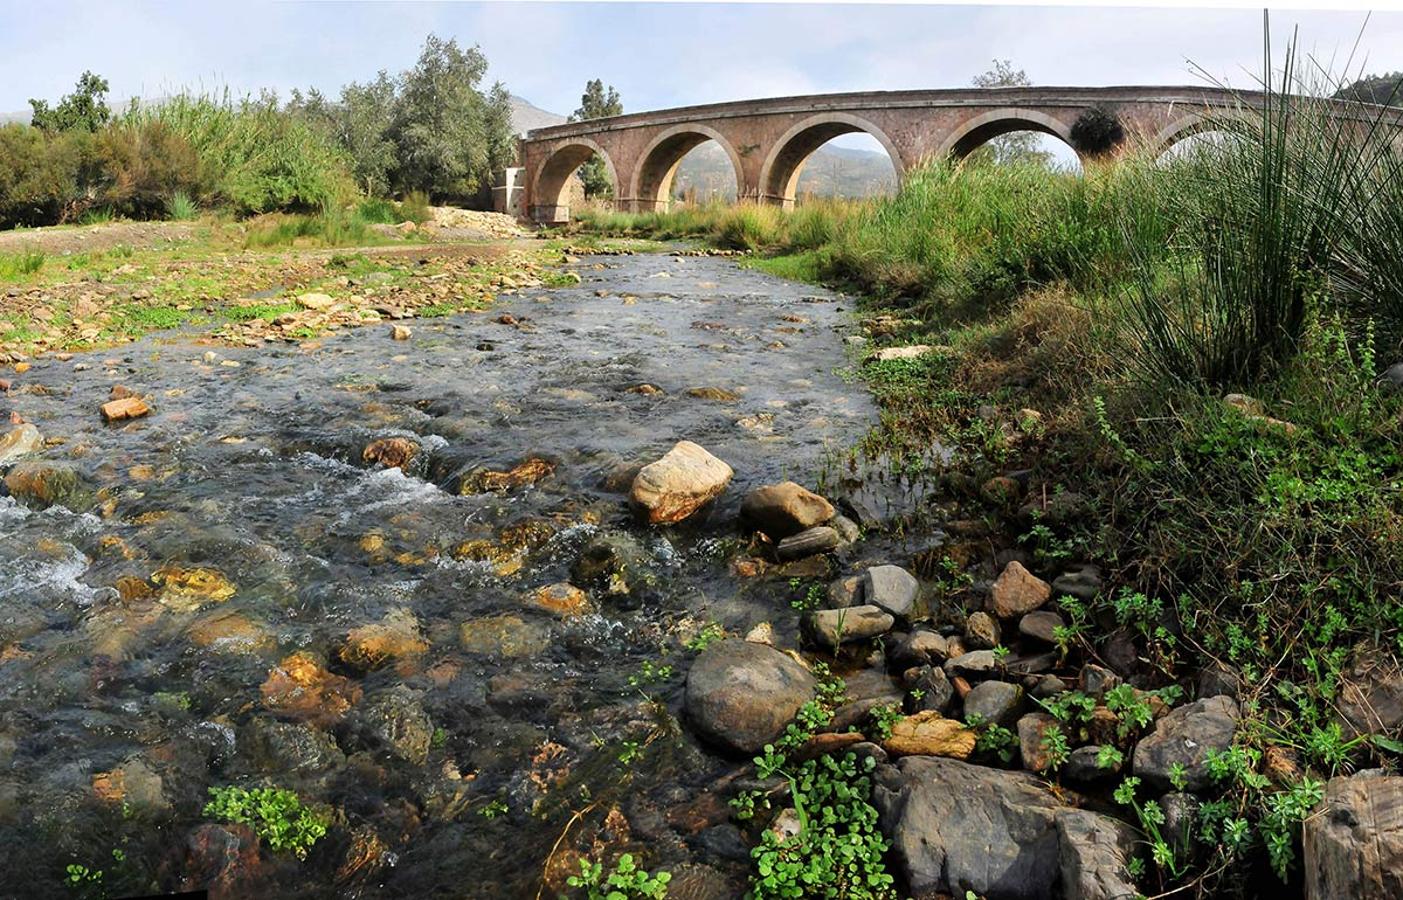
pixel 83 110
pixel 1383 89
pixel 1020 146
pixel 597 103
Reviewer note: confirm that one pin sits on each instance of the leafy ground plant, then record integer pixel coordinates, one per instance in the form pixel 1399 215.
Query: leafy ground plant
pixel 624 882
pixel 275 814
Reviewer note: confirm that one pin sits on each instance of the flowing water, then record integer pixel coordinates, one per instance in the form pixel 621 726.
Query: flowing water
pixel 239 525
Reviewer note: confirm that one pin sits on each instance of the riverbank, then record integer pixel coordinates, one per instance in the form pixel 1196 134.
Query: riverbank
pixel 1196 564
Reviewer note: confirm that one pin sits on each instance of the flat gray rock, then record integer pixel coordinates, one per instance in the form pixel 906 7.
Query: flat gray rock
pixel 892 588
pixel 1186 736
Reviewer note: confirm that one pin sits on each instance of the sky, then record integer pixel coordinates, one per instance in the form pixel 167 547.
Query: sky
pixel 657 55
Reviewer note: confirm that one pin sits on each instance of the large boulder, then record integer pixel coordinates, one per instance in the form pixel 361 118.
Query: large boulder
pixel 685 479
pixel 786 508
pixel 40 484
pixel 1185 737
pixel 1353 844
pixel 956 827
pixel 741 695
pixel 1371 695
pixel 1095 853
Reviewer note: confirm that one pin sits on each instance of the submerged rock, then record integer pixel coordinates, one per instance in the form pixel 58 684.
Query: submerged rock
pixel 40 484
pixel 504 635
pixel 279 748
pixel 395 721
pixel 681 482
pixel 393 638
pixel 20 441
pixel 301 689
pixel 741 695
pixel 784 509
pixel 614 563
pixel 391 452
pixel 187 590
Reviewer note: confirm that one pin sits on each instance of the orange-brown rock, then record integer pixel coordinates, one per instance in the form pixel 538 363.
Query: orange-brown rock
pixel 562 599
pixel 301 688
pixel 231 632
pixel 125 408
pixel 785 509
pixel 681 482
pixel 392 453
pixel 524 473
pixel 371 646
pixel 928 733
pixel 186 590
pixel 1018 591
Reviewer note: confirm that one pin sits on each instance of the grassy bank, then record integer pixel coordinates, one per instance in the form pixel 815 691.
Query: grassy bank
pixel 1169 370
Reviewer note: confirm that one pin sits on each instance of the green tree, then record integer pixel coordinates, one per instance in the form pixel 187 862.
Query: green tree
pixel 597 102
pixel 440 122
pixel 83 110
pixel 1020 146
pixel 1383 89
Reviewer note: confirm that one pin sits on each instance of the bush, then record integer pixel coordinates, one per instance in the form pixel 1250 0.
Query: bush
pixel 143 165
pixel 44 177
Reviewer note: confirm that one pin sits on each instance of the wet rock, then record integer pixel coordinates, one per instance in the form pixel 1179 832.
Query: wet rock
pixel 395 721
pixel 974 664
pixel 997 702
pixel 1185 736
pixel 134 786
pixel 982 631
pixel 614 563
pixel 681 482
pixel 934 686
pixel 20 441
pixel 224 860
pixel 956 827
pixel 833 627
pixel 892 588
pixel 395 637
pixel 301 689
pixel 231 632
pixel 401 332
pixel 785 509
pixel 126 408
pixel 1084 583
pixel 741 695
pixel 1041 625
pixel 1017 591
pixel 525 473
pixel 190 589
pixel 1095 853
pixel 715 394
pixel 392 452
pixel 1353 844
pixel 39 484
pixel 810 542
pixel 1031 730
pixel 562 599
pixel 503 635
pixel 279 748
pixel 929 733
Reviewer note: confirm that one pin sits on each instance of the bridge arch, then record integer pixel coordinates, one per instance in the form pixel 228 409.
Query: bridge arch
pixel 651 186
pixel 779 176
pixel 983 128
pixel 553 174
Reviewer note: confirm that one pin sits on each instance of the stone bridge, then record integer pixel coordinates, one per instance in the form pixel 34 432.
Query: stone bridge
pixel 768 141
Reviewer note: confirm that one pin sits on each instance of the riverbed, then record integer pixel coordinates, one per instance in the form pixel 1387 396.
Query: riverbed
pixel 237 591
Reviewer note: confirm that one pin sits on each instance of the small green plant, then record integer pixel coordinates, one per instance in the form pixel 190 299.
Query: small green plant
pixel 808 595
pixel 632 752
pixel 1055 748
pixel 992 738
pixel 650 673
pixel 883 718
pixel 276 815
pixel 624 882
pixel 496 807
pixel 181 208
pixel 711 633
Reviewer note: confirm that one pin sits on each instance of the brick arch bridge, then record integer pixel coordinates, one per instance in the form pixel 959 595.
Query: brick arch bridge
pixel 768 141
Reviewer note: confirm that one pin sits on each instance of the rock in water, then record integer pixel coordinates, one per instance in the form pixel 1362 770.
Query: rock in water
pixel 391 452
pixel 957 827
pixel 809 542
pixel 685 479
pixel 126 408
pixel 1353 844
pixel 19 442
pixel 39 485
pixel 832 627
pixel 783 509
pixel 742 695
pixel 1095 853
pixel 1186 736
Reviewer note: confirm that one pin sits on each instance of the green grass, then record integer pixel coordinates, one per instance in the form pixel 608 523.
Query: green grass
pixel 258 311
pixel 181 208
pixel 805 266
pixel 18 266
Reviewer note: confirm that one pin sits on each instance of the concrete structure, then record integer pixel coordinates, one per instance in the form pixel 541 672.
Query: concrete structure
pixel 769 140
pixel 508 191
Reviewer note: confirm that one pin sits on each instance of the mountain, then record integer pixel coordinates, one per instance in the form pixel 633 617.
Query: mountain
pixel 526 116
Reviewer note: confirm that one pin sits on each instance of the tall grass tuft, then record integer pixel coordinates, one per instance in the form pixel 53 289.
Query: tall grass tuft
pixel 181 208
pixel 13 265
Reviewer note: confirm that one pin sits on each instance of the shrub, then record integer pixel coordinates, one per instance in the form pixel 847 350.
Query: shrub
pixel 143 164
pixel 44 177
pixel 1097 131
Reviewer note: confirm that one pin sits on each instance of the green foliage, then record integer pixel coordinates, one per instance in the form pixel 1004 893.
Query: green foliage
pixel 276 815
pixel 83 110
pixel 597 103
pixel 17 265
pixel 710 633
pixel 624 882
pixel 181 208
